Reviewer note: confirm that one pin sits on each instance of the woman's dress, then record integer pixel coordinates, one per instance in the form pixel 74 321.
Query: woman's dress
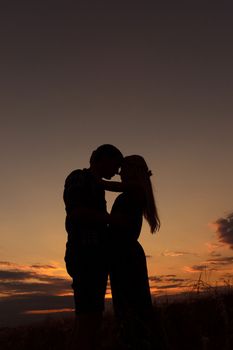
pixel 128 270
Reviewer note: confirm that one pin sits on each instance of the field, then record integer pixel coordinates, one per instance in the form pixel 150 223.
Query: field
pixel 200 321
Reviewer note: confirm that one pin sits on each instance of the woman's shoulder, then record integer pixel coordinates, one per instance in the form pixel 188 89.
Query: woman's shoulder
pixel 130 198
pixel 136 193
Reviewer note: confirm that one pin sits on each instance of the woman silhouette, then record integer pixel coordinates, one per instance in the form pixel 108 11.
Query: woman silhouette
pixel 128 270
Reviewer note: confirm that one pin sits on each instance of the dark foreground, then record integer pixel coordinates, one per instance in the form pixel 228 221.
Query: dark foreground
pixel 198 322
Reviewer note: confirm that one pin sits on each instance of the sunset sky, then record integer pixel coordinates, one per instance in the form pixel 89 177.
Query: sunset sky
pixel 154 80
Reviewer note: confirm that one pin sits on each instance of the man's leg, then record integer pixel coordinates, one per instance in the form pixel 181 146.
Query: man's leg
pixel 86 330
pixel 89 292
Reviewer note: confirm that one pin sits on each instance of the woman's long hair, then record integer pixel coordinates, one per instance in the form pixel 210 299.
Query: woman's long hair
pixel 142 176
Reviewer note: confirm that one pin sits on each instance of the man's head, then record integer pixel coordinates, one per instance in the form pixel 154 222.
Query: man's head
pixel 106 161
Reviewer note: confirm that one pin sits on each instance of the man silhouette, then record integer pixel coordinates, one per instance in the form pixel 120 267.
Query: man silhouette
pixel 86 250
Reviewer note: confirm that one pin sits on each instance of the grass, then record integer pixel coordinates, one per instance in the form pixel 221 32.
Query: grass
pixel 200 321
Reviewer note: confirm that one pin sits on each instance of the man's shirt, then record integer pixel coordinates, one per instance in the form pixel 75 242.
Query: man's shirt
pixel 82 191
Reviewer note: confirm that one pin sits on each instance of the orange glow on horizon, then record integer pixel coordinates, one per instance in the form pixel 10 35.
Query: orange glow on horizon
pixel 45 312
pixel 108 295
pixel 64 294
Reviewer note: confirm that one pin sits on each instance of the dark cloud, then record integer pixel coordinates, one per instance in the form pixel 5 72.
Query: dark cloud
pixel 196 268
pixel 17 279
pixel 221 261
pixel 214 264
pixel 224 231
pixel 155 279
pixel 175 279
pixel 168 282
pixel 169 286
pixel 39 266
pixel 166 278
pixel 26 288
pixel 6 275
pixel 54 287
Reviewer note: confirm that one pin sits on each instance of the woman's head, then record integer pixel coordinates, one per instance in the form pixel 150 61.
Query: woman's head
pixel 134 170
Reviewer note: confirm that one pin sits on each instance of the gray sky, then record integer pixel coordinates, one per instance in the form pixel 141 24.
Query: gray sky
pixel 154 80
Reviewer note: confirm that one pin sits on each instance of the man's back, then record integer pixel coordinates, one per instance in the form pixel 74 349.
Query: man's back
pixel 82 190
pixel 85 204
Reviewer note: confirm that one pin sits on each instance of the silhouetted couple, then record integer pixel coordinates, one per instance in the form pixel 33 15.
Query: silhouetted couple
pixel 101 244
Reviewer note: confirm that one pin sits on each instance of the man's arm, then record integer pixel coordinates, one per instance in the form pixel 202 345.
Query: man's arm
pixel 113 186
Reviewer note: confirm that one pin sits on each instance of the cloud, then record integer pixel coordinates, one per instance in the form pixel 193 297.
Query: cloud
pixel 155 279
pixel 164 282
pixel 38 266
pixel 220 261
pixel 165 278
pixel 25 279
pixel 32 287
pixel 195 268
pixel 226 277
pixel 6 263
pixel 170 286
pixel 175 253
pixel 216 263
pixel 6 275
pixel 213 246
pixel 224 230
pixel 28 290
pixel 214 254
